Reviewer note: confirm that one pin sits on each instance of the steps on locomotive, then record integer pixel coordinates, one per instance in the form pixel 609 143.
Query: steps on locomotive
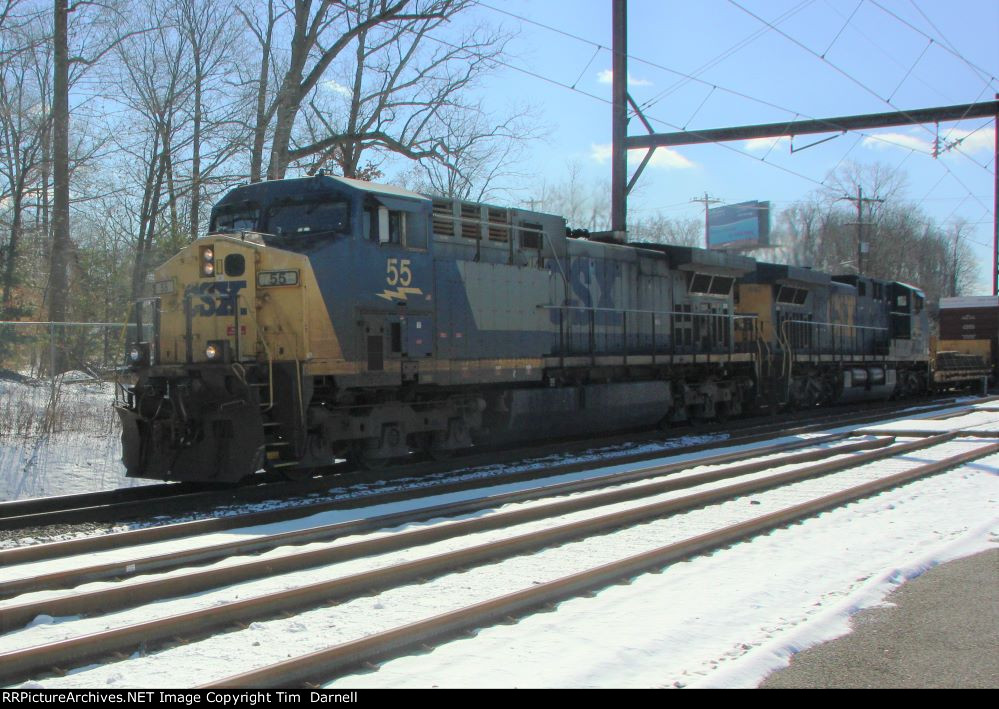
pixel 275 440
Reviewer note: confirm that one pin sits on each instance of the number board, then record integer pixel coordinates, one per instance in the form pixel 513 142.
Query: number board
pixel 268 279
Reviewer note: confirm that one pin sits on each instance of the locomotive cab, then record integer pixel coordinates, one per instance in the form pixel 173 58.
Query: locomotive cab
pixel 281 294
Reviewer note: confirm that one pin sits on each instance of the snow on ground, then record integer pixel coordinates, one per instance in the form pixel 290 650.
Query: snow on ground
pixel 730 618
pixel 750 603
pixel 726 619
pixel 335 516
pixel 72 447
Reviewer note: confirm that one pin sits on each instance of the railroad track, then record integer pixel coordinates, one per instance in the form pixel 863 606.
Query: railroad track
pixel 179 499
pixel 448 484
pixel 509 528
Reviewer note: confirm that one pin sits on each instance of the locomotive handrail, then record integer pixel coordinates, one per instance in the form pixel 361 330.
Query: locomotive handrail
pixel 73 324
pixel 782 332
pixel 732 316
pixel 761 343
pixel 788 349
pixel 833 324
pixel 267 350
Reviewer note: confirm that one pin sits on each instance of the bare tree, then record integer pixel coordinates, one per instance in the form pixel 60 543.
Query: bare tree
pixel 265 105
pixel 405 91
pixel 154 80
pixel 24 132
pixel 213 42
pixel 15 17
pixel 660 229
pixel 321 31
pixel 583 204
pixel 97 30
pixel 962 264
pixel 481 157
pixel 904 244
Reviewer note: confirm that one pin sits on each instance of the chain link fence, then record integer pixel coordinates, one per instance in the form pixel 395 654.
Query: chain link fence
pixel 58 430
pixel 57 355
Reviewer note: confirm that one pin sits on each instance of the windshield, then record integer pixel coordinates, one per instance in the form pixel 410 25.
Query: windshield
pixel 297 225
pixel 237 218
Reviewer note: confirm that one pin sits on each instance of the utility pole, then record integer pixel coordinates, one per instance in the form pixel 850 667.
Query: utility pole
pixel 953 274
pixel 860 199
pixel 705 200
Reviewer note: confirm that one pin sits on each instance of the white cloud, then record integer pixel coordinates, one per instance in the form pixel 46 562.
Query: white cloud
pixel 967 141
pixel 601 153
pixel 979 141
pixel 336 87
pixel 761 145
pixel 607 76
pixel 664 158
pixel 886 141
pixel 669 159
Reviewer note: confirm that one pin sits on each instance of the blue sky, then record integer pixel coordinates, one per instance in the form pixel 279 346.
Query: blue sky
pixel 820 58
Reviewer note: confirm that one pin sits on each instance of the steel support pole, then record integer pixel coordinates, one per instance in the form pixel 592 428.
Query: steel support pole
pixel 619 123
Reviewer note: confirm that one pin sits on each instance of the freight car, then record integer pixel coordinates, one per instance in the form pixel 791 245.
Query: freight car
pixel 325 317
pixel 968 347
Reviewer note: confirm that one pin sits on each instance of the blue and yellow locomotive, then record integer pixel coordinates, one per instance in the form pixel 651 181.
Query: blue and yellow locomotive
pixel 325 317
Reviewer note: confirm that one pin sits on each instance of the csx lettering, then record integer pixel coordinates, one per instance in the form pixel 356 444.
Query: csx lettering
pixel 214 298
pixel 592 283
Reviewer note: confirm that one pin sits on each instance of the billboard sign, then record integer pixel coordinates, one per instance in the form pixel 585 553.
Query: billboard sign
pixel 739 226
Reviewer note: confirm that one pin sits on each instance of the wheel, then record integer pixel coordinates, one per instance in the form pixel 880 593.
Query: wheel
pixel 298 474
pixel 440 454
pixel 361 457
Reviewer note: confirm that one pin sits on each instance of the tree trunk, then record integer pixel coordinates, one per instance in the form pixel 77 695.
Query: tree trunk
pixel 196 158
pixel 10 256
pixel 287 109
pixel 260 125
pixel 58 280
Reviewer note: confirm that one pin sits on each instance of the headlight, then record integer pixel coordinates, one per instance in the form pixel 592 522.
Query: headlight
pixel 217 350
pixel 207 261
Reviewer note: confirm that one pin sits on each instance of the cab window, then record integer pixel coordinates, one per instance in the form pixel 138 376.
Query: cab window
pixel 232 220
pixel 289 221
pixel 393 226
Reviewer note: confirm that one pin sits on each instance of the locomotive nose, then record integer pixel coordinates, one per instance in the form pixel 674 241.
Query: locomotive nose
pixel 218 302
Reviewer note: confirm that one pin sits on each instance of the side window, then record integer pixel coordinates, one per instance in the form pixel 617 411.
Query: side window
pixel 369 224
pixel 384 226
pixel 396 227
pixel 699 283
pixel 531 236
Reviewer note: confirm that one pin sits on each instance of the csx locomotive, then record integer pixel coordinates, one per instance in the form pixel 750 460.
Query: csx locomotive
pixel 326 317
